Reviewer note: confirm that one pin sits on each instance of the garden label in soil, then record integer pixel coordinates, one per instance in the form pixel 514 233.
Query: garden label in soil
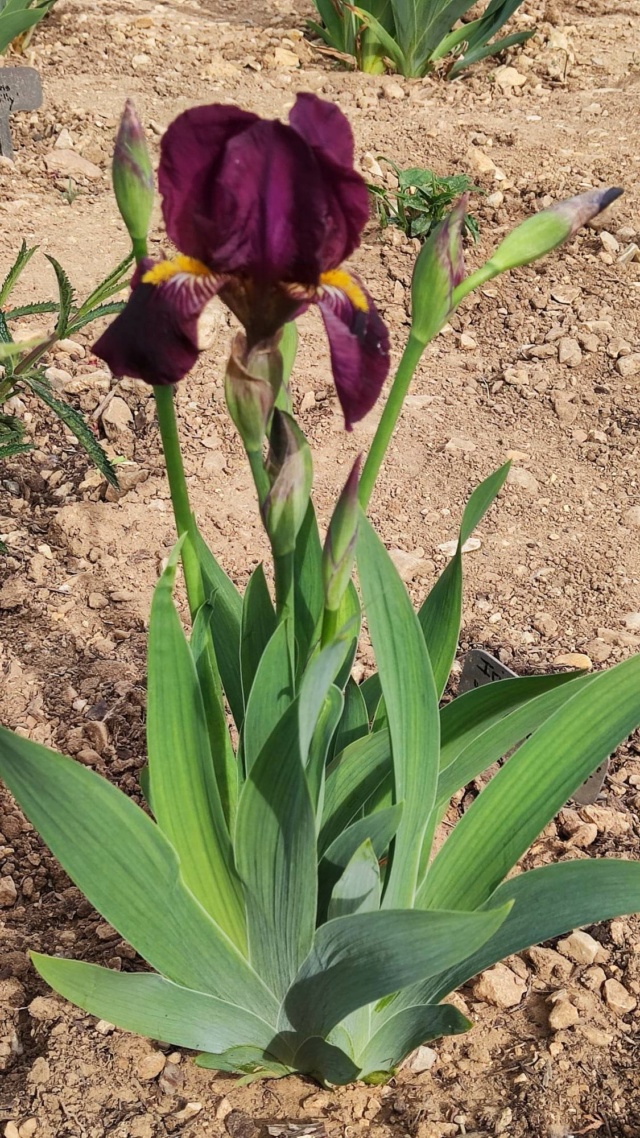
pixel 20 90
pixel 480 667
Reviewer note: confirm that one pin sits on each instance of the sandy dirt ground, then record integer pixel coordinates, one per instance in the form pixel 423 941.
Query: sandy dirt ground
pixel 542 366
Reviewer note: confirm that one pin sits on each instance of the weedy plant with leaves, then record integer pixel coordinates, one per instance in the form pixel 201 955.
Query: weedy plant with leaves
pixel 18 18
pixel 22 363
pixel 420 200
pixel 281 881
pixel 414 36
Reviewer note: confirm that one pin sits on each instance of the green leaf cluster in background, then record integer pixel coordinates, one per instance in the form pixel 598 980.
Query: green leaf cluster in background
pixel 23 369
pixel 18 17
pixel 412 36
pixel 281 883
pixel 420 200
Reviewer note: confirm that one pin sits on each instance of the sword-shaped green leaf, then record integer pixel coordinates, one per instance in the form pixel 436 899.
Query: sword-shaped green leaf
pixel 271 694
pixel 226 603
pixel 150 1005
pixel 258 626
pixel 358 889
pixel 441 612
pixel 275 845
pixel 352 777
pixel 412 708
pixel 129 872
pixel 225 764
pixel 361 958
pixel 546 903
pixel 184 791
pixel 536 782
pixel 406 1030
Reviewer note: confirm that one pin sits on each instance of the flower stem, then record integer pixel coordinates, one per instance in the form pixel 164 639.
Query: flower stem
pixel 329 626
pixel 283 567
pixel 260 476
pixel 392 408
pixel 139 245
pixel 179 495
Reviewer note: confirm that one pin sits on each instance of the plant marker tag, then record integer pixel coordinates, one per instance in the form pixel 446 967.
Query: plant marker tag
pixel 480 667
pixel 20 90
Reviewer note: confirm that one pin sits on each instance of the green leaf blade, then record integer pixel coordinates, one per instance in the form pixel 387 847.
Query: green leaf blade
pixel 185 795
pixel 149 1005
pixel 411 704
pixel 365 956
pixel 536 782
pixel 275 843
pixel 128 870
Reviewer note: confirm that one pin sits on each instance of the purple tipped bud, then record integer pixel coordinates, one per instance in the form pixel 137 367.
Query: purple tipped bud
pixel 546 230
pixel 133 175
pixel 438 270
pixel 290 472
pixel 250 385
pixel 339 550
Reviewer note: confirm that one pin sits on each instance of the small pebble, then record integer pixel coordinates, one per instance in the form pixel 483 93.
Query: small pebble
pixel 574 660
pixel 618 999
pixel 579 946
pixel 150 1066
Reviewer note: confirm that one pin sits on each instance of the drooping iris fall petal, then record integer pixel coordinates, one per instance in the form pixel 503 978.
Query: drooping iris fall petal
pixel 155 337
pixel 358 342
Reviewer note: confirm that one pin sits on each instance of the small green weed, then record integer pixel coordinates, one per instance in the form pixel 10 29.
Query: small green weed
pixel 421 200
pixel 21 362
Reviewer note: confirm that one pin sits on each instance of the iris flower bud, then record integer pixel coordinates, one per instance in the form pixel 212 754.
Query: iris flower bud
pixel 290 472
pixel 339 550
pixel 438 269
pixel 543 232
pixel 133 175
pixel 251 384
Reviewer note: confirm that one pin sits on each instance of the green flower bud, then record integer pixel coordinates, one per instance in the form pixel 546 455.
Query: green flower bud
pixel 546 230
pixel 438 269
pixel 339 550
pixel 251 382
pixel 133 175
pixel 290 472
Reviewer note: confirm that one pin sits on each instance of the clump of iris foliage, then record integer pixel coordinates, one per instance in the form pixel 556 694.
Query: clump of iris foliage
pixel 24 371
pixel 420 200
pixel 281 881
pixel 414 36
pixel 18 18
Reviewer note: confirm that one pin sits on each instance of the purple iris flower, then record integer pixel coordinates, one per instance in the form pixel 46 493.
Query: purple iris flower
pixel 263 215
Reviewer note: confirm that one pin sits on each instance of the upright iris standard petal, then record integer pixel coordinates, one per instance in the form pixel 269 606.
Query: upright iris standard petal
pixel 155 337
pixel 191 152
pixel 358 341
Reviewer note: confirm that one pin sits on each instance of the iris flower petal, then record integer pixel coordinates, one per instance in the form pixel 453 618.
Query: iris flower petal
pixel 358 342
pixel 192 149
pixel 281 209
pixel 324 127
pixel 155 337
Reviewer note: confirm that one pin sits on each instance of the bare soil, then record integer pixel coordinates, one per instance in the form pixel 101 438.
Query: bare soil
pixel 542 366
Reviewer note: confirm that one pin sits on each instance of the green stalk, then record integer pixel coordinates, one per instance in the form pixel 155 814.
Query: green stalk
pixel 166 412
pixel 485 273
pixel 283 567
pixel 165 408
pixel 389 418
pixel 329 627
pixel 260 476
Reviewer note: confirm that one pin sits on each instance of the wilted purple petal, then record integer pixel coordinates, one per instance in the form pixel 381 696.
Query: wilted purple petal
pixel 359 345
pixel 155 337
